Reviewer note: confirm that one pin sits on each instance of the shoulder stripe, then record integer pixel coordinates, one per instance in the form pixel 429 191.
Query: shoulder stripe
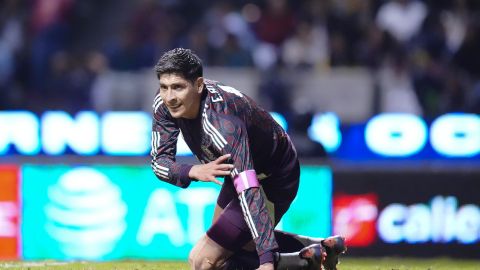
pixel 215 131
pixel 215 140
pixel 212 128
pixel 157 102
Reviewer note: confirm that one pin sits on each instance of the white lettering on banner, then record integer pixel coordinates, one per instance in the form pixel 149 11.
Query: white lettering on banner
pixel 440 222
pixel 8 212
pixel 196 200
pixel 115 132
pixel 59 129
pixel 161 218
pixel 443 213
pixel 325 129
pixel 402 135
pixel 128 133
pixel 468 224
pixel 456 135
pixel 21 130
pixel 396 134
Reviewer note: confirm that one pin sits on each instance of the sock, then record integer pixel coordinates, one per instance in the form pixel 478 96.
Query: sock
pixel 290 261
pixel 289 242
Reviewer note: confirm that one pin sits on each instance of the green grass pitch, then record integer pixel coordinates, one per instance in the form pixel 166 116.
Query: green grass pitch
pixel 347 264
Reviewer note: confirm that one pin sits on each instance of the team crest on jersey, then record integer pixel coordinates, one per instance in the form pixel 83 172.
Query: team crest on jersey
pixel 208 154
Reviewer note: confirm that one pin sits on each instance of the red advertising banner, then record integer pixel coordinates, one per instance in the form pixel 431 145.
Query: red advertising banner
pixel 9 212
pixel 355 217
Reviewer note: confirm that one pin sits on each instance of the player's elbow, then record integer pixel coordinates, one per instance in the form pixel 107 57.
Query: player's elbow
pixel 160 171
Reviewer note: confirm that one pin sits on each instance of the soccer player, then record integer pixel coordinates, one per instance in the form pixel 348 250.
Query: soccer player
pixel 235 139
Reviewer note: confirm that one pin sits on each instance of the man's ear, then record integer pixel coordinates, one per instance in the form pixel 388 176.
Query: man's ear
pixel 199 84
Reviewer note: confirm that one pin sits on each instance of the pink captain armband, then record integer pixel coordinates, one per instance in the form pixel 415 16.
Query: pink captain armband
pixel 245 180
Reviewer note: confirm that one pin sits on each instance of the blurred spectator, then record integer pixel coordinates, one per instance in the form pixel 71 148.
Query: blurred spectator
pixel 347 22
pixel 429 72
pixel 277 22
pixel 197 41
pixel 154 30
pixel 276 91
pixel 338 50
pixel 127 53
pixel 401 18
pixel 397 93
pixel 11 43
pixel 50 34
pixel 68 87
pixel 373 48
pixel 454 98
pixel 307 48
pixel 455 21
pixel 467 62
pixel 57 84
pixel 231 54
pixel 229 32
pixel 265 56
pixel 425 45
pixel 101 91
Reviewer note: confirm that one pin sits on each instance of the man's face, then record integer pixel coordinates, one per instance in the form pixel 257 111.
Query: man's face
pixel 181 96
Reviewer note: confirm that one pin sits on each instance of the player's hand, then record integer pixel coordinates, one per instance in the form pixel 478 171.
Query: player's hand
pixel 266 266
pixel 208 172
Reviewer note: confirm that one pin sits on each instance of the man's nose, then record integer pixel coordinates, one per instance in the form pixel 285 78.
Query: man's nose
pixel 170 95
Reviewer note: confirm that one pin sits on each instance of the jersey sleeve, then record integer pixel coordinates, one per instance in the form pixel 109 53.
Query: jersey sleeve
pixel 164 147
pixel 251 198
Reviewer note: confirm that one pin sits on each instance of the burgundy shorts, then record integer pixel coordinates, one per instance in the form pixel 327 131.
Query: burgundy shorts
pixel 230 230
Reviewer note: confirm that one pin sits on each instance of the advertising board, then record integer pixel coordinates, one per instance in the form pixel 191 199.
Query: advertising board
pixel 414 213
pixel 9 212
pixel 397 136
pixel 110 212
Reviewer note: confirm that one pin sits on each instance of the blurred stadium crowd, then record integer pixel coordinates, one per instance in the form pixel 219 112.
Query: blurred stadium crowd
pixel 53 51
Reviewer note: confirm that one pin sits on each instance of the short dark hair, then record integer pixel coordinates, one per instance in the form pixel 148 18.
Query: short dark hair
pixel 180 61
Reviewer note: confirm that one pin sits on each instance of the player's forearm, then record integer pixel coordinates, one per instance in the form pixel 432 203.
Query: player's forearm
pixel 261 226
pixel 172 172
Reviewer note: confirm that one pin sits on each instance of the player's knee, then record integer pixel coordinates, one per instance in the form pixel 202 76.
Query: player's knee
pixel 198 261
pixel 191 258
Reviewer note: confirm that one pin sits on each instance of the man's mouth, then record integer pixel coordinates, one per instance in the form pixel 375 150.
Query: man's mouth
pixel 174 107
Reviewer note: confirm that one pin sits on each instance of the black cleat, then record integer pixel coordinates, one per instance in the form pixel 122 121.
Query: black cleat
pixel 334 246
pixel 315 255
